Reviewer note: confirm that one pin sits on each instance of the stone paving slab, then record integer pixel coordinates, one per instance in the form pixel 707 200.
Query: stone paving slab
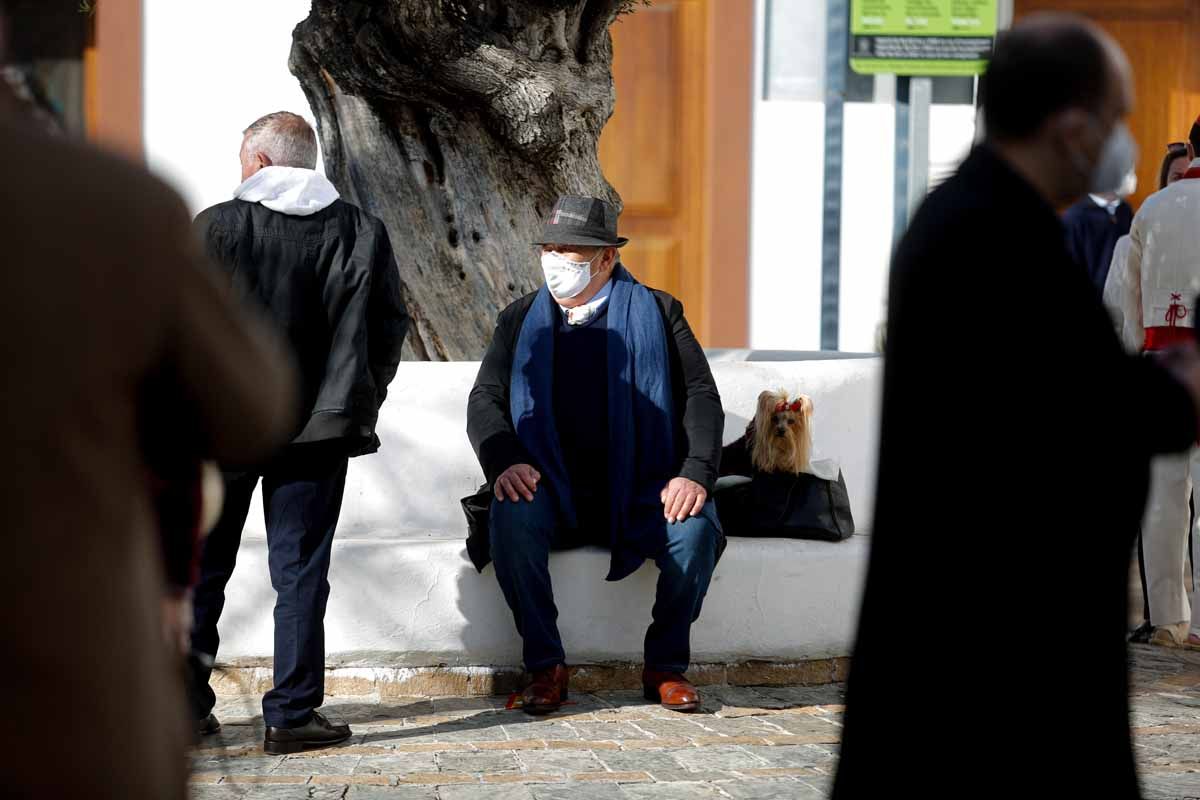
pixel 749 743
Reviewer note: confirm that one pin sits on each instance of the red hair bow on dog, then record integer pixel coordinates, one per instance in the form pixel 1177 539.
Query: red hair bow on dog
pixel 794 407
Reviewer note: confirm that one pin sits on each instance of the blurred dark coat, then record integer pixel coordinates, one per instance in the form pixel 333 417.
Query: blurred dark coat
pixel 1013 468
pixel 118 347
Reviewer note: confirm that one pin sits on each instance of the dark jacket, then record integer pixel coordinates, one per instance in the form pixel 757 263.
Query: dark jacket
pixel 699 418
pixel 737 458
pixel 1092 235
pixel 1014 453
pixel 330 284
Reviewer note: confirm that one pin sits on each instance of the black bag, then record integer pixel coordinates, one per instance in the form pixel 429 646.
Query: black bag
pixel 778 505
pixel 478 510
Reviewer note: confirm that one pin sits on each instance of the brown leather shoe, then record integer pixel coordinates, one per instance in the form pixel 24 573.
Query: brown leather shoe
pixel 547 692
pixel 675 692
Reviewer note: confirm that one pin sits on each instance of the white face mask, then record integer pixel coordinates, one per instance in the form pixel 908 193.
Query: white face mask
pixel 1117 160
pixel 566 278
pixel 1129 186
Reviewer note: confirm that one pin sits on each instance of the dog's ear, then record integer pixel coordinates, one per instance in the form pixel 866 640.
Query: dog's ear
pixel 806 406
pixel 766 405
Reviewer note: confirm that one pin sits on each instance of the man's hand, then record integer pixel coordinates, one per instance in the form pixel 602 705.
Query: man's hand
pixel 177 620
pixel 682 499
pixel 1183 362
pixel 519 480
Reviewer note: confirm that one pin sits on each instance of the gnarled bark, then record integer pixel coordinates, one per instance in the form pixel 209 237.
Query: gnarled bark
pixel 458 123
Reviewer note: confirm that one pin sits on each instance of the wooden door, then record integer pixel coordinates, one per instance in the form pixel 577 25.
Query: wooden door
pixel 665 151
pixel 1160 38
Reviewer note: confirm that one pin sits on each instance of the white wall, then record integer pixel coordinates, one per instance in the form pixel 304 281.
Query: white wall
pixel 868 206
pixel 868 200
pixel 786 220
pixel 404 594
pixel 212 68
pixel 951 134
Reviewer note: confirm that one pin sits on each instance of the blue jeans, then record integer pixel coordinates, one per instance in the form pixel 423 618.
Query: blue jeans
pixel 302 500
pixel 524 533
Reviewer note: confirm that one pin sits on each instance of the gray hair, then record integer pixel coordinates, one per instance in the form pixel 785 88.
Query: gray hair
pixel 285 138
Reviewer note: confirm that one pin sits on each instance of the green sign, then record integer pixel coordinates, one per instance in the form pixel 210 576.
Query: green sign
pixel 921 37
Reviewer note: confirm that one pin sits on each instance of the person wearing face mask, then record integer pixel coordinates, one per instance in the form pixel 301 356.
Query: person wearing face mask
pixel 1117 297
pixel 596 420
pixel 1014 454
pixel 1095 224
pixel 1152 297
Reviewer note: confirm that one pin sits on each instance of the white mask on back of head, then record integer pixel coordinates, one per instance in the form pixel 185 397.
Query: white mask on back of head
pixel 1129 186
pixel 1118 158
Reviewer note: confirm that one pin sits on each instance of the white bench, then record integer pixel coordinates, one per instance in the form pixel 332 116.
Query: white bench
pixel 405 595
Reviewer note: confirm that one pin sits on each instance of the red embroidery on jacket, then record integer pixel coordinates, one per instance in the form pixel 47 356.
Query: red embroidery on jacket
pixel 1176 311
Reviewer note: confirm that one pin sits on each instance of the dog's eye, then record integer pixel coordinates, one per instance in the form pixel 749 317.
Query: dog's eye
pixel 791 421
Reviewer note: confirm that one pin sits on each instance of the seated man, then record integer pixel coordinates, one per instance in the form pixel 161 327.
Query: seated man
pixel 597 422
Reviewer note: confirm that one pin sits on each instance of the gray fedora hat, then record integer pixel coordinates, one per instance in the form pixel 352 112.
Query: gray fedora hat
pixel 582 221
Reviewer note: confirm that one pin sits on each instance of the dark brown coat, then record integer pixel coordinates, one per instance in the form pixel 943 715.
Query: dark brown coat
pixel 108 314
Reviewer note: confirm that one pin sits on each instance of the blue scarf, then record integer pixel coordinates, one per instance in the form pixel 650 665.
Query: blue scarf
pixel 641 431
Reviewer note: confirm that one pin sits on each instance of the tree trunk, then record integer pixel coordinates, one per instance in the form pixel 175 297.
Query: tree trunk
pixel 458 124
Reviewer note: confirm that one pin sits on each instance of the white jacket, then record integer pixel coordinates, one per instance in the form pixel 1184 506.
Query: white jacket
pixel 1155 272
pixel 1123 297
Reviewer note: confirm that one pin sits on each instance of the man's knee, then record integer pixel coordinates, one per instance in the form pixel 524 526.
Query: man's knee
pixel 693 545
pixel 517 525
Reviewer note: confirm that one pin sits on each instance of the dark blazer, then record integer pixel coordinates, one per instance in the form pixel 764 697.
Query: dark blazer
pixel 1092 235
pixel 1013 468
pixel 700 420
pixel 329 283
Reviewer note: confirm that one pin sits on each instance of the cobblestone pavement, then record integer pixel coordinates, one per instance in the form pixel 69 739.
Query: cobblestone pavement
pixel 764 743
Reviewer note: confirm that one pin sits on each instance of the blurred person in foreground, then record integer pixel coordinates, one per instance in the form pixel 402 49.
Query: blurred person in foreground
pixel 1014 457
pixel 120 354
pixel 322 271
pixel 1151 294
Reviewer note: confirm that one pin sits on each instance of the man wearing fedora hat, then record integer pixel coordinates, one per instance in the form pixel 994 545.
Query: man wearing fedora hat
pixel 597 422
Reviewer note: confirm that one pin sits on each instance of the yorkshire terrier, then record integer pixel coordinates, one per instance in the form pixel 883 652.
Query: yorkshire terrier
pixel 780 436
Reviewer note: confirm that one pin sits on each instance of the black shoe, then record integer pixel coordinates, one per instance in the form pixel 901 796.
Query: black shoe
pixel 208 726
pixel 318 732
pixel 1141 634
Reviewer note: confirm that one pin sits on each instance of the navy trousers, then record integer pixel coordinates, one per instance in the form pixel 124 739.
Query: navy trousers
pixel 524 533
pixel 302 498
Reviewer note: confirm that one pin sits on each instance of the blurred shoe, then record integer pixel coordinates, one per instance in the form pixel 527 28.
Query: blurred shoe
pixel 1193 641
pixel 318 732
pixel 208 726
pixel 1170 635
pixel 1141 634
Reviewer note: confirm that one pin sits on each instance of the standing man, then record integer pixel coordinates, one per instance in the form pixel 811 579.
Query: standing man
pixel 322 271
pixel 1153 294
pixel 597 421
pixel 1016 441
